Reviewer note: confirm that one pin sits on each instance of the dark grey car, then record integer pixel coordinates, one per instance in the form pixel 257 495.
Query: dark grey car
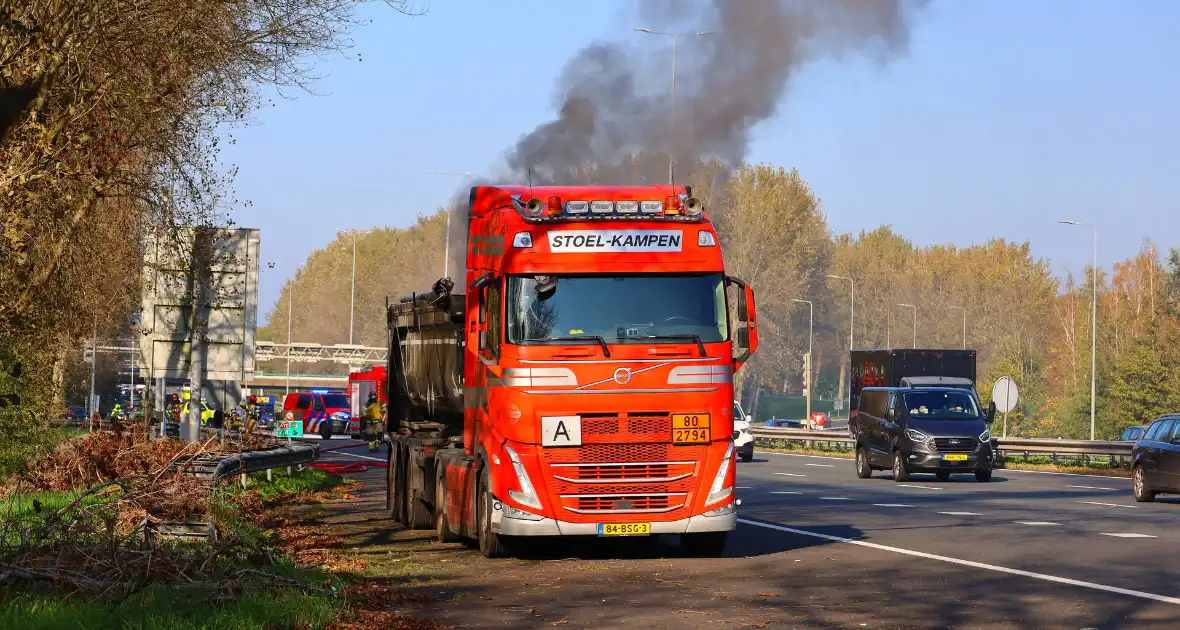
pixel 938 430
pixel 1156 459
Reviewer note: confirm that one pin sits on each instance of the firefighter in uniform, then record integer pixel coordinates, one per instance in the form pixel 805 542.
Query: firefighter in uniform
pixel 373 421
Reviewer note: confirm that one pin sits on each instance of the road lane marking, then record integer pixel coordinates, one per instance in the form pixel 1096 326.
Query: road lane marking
pixel 1128 535
pixel 791 474
pixel 1035 523
pixel 961 513
pixel 821 465
pixel 910 485
pixel 967 563
pixel 1090 487
pixel 843 459
pixel 785 492
pixel 892 505
pixel 743 487
pixel 1105 504
pixel 1050 472
pixel 834 499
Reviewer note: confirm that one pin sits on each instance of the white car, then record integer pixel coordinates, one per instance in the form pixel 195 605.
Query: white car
pixel 743 442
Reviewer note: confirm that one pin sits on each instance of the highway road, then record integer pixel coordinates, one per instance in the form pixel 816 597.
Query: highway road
pixel 1027 549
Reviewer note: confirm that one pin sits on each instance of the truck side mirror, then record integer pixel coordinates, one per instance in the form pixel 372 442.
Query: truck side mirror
pixel 991 412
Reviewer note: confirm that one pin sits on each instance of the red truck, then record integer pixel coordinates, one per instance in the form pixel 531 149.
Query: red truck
pixel 579 381
pixel 361 383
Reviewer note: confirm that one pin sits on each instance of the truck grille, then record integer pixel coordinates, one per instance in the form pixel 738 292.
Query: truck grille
pixel 608 453
pixel 625 503
pixel 956 445
pixel 643 426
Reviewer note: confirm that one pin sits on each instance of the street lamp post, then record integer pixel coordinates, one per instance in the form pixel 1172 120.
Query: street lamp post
pixel 915 345
pixel 672 115
pixel 1093 324
pixel 450 211
pixel 851 332
pixel 964 309
pixel 290 311
pixel 807 363
pixel 352 306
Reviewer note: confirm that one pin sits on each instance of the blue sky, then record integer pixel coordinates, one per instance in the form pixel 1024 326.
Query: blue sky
pixel 1005 116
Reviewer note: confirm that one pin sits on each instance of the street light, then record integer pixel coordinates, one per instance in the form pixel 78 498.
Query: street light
pixel 964 309
pixel 1093 323
pixel 807 363
pixel 290 310
pixel 915 322
pixel 450 210
pixel 851 331
pixel 352 305
pixel 675 39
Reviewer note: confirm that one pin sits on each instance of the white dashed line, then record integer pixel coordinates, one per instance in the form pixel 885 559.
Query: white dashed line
pixel 821 465
pixel 961 513
pixel 1035 523
pixel 1090 487
pixel 1129 535
pixel 1105 504
pixel 834 499
pixel 743 487
pixel 892 505
pixel 790 474
pixel 910 485
pixel 968 563
pixel 785 492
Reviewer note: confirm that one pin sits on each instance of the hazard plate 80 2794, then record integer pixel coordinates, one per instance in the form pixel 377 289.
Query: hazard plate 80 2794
pixel 690 428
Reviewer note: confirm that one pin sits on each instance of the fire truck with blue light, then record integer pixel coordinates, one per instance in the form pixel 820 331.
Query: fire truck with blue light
pixel 579 382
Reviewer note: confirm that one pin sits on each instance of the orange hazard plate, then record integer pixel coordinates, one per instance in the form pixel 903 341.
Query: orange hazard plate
pixel 690 428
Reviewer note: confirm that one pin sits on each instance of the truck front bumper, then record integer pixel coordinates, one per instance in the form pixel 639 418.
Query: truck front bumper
pixel 552 527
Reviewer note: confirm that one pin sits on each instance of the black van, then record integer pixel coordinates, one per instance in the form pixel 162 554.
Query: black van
pixel 940 430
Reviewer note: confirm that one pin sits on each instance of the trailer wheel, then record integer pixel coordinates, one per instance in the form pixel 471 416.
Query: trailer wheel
pixel 419 515
pixel 398 479
pixel 440 506
pixel 491 544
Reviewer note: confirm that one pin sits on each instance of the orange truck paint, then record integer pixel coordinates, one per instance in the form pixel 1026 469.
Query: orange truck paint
pixel 626 467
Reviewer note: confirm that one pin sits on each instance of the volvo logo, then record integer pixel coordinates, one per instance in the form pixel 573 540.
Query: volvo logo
pixel 623 376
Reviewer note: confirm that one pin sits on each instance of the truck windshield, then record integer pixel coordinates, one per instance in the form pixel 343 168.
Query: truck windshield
pixel 949 405
pixel 618 308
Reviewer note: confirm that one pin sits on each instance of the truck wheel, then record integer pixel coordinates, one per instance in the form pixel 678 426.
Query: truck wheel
pixel 440 507
pixel 419 514
pixel 326 430
pixel 491 544
pixel 703 544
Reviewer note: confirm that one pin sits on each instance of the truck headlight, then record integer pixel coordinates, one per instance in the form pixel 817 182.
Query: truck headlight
pixel 526 496
pixel 718 492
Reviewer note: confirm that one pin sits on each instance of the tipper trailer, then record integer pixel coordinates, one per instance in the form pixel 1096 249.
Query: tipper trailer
pixel 581 380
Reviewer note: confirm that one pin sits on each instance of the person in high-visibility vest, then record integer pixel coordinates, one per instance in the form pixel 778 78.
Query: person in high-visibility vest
pixel 373 421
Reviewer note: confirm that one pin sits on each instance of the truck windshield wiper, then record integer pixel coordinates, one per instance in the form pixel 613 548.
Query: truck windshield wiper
pixel 584 338
pixel 692 336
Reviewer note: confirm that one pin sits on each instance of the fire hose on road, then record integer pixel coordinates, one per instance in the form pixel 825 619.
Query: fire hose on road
pixel 336 468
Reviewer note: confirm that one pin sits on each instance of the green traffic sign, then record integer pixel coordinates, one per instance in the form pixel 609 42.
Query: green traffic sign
pixel 289 427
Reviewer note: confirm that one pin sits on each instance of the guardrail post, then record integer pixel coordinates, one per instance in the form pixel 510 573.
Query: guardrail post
pixel 243 478
pixel 270 474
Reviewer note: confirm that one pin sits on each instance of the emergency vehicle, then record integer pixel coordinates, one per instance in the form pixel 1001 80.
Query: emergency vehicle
pixel 324 412
pixel 579 381
pixel 360 384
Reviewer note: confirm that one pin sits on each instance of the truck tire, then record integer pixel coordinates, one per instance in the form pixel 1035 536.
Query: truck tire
pixel 397 483
pixel 440 506
pixel 419 514
pixel 705 544
pixel 491 544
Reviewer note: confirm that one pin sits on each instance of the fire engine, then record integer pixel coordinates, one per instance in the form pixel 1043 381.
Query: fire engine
pixel 580 381
pixel 361 383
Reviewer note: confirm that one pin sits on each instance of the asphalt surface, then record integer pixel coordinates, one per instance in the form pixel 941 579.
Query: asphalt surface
pixel 1027 549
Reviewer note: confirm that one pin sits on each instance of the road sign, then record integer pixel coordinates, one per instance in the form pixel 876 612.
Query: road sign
pixel 1005 394
pixel 838 404
pixel 290 425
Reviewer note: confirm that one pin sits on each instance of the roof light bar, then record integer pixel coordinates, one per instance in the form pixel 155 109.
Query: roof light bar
pixel 577 207
pixel 602 207
pixel 627 207
pixel 651 207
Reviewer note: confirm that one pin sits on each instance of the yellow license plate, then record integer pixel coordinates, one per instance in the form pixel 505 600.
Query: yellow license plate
pixel 955 457
pixel 624 529
pixel 690 428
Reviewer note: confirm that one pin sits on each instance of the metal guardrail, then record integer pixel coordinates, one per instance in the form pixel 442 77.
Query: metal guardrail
pixel 1116 451
pixel 218 466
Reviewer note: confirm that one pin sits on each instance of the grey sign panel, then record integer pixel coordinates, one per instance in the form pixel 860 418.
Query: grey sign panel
pixel 170 286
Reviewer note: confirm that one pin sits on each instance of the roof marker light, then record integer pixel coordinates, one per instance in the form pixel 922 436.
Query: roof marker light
pixel 672 205
pixel 522 240
pixel 554 205
pixel 577 207
pixel 602 207
pixel 651 207
pixel 627 207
